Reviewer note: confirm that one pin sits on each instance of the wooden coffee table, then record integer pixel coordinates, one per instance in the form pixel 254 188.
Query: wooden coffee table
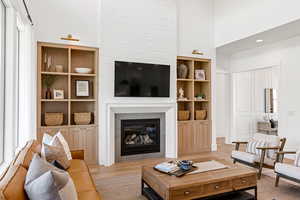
pixel 235 178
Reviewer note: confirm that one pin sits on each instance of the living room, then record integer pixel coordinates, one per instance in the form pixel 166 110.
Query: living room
pixel 114 92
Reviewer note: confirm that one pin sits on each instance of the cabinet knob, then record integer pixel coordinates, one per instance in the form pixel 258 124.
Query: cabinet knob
pixel 187 193
pixel 244 181
pixel 217 187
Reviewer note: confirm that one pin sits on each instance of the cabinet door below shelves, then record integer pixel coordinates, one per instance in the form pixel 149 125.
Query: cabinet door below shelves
pixel 185 138
pixel 85 138
pixel 201 137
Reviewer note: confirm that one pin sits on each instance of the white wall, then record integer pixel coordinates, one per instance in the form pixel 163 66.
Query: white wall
pixel 196 27
pixel 151 31
pixel 54 19
pixel 222 102
pixel 237 19
pixel 286 55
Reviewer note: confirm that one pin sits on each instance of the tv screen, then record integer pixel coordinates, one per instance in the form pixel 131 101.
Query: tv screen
pixel 141 80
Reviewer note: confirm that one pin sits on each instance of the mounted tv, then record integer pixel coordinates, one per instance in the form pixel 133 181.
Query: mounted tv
pixel 141 80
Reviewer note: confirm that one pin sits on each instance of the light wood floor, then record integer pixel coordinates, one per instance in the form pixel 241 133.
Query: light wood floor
pixel 122 180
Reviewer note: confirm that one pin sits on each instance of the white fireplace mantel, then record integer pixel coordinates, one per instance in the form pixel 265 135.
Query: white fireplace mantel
pixel 108 138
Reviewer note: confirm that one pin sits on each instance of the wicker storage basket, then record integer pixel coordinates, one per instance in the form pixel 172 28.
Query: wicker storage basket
pixel 82 118
pixel 54 119
pixel 183 115
pixel 200 114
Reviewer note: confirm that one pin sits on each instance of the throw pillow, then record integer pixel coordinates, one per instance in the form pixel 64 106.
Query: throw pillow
pixel 252 146
pixel 64 143
pixel 44 181
pixel 56 152
pixel 48 139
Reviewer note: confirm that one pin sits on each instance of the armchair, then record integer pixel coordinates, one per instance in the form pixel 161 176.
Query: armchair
pixel 260 152
pixel 287 171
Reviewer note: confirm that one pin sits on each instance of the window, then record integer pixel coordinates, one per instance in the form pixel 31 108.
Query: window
pixel 2 76
pixel 17 90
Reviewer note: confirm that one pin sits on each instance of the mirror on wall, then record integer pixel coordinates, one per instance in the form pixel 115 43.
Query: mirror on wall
pixel 270 100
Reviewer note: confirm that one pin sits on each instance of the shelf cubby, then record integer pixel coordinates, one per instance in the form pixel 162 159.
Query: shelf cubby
pixel 83 58
pixel 60 83
pixel 78 107
pixel 202 88
pixel 186 106
pixel 54 107
pixel 204 65
pixel 187 87
pixel 59 56
pixel 92 91
pixel 190 65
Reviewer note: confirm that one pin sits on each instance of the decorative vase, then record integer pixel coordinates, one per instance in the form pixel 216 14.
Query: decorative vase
pixel 182 71
pixel 48 94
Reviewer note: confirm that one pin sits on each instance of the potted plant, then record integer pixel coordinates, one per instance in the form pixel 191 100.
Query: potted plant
pixel 48 80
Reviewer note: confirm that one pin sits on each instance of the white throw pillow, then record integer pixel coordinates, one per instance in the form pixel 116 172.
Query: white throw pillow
pixel 64 143
pixel 48 139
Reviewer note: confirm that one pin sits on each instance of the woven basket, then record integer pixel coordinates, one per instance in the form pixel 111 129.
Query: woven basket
pixel 82 118
pixel 54 119
pixel 200 114
pixel 183 115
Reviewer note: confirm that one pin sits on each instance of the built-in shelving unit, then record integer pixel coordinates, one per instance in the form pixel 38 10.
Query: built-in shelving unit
pixel 69 57
pixel 194 135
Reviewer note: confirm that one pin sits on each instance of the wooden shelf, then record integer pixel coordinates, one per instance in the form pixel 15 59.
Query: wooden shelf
pixel 55 73
pixel 76 74
pixel 204 81
pixel 204 100
pixel 54 100
pixel 82 100
pixel 184 100
pixel 182 79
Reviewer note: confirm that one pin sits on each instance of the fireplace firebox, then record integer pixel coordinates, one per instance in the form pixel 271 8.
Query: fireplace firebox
pixel 140 136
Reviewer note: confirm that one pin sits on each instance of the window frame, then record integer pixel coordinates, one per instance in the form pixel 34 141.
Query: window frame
pixel 2 79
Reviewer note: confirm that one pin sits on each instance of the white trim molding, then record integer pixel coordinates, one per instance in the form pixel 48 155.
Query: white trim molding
pixel 108 138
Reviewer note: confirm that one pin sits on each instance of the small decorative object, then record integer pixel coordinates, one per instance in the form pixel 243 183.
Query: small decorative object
pixel 83 70
pixel 183 115
pixel 58 94
pixel 48 80
pixel 181 94
pixel 185 165
pixel 200 96
pixel 200 114
pixel 49 63
pixel 197 52
pixel 82 118
pixel 200 74
pixel 82 88
pixel 59 68
pixel 182 71
pixel 54 119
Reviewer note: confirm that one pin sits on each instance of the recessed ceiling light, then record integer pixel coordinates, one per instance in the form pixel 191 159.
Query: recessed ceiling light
pixel 259 41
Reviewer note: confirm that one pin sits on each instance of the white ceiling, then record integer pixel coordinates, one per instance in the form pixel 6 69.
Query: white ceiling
pixel 271 36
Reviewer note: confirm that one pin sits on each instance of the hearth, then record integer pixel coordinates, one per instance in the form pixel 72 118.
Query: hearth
pixel 140 136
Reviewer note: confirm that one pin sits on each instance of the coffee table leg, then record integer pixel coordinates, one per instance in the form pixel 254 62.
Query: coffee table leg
pixel 255 192
pixel 142 187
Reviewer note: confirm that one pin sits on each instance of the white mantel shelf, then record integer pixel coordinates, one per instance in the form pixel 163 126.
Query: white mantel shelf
pixel 108 139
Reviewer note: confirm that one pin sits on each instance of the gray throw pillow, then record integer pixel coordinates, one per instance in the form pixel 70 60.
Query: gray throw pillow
pixel 44 181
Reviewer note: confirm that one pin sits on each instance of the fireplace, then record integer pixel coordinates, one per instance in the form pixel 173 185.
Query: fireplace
pixel 140 136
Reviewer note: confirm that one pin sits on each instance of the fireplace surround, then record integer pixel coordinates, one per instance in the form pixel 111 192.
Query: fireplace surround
pixel 107 140
pixel 140 136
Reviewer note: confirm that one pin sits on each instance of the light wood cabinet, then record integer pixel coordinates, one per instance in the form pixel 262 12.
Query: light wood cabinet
pixel 193 137
pixel 194 134
pixel 57 65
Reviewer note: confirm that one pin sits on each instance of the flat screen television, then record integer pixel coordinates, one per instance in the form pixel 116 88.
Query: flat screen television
pixel 141 80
